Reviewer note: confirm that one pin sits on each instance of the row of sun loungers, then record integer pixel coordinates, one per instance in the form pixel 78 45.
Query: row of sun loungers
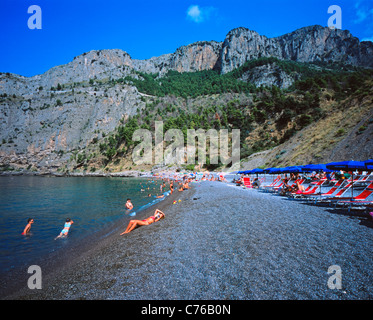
pixel 337 194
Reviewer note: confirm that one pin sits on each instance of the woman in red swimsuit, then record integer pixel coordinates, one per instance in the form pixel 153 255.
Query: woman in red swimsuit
pixel 158 214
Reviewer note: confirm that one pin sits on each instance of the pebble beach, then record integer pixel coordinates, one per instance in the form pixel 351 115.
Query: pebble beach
pixel 221 242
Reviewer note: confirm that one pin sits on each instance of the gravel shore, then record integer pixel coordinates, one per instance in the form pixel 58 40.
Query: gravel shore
pixel 223 242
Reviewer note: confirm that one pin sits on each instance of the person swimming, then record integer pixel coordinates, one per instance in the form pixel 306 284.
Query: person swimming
pixel 158 214
pixel 66 229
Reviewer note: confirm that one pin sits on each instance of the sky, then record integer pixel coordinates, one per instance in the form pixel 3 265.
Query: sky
pixel 144 29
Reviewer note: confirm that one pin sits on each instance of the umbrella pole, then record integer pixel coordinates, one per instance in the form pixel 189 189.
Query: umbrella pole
pixel 320 186
pixel 352 185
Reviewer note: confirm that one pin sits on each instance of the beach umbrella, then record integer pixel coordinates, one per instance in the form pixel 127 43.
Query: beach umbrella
pixel 286 169
pixel 257 171
pixel 294 169
pixel 277 170
pixel 273 171
pixel 369 164
pixel 291 169
pixel 316 167
pixel 347 165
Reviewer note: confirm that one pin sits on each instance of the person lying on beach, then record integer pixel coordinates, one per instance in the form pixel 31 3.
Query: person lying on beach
pixel 161 196
pixel 66 228
pixel 129 204
pixel 158 214
pixel 27 229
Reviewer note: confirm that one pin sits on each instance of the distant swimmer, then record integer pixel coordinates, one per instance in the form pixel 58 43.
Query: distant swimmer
pixel 158 214
pixel 27 229
pixel 66 228
pixel 129 204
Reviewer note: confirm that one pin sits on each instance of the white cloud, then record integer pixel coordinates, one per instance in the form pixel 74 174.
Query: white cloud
pixel 194 13
pixel 199 14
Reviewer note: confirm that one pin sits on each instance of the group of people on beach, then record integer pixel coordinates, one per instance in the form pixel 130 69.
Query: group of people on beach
pixel 64 232
pixel 158 214
pixel 288 188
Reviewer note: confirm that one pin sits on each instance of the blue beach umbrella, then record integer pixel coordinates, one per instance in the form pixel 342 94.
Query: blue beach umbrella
pixel 346 165
pixel 294 169
pixel 276 170
pixel 257 171
pixel 316 167
pixel 369 164
pixel 273 170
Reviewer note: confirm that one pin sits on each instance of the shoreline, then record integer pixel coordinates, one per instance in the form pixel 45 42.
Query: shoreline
pixel 223 242
pixel 130 173
pixel 63 259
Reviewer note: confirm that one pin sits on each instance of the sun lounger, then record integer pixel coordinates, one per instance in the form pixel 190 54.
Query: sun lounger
pixel 310 191
pixel 270 185
pixel 331 191
pixel 336 197
pixel 359 199
pixel 247 182
pixel 275 187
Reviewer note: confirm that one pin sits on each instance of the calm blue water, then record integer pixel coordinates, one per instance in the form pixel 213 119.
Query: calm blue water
pixel 92 203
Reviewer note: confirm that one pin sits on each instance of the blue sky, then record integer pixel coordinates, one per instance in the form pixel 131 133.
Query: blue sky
pixel 150 28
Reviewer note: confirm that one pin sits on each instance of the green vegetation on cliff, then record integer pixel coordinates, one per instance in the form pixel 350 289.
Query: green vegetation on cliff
pixel 274 113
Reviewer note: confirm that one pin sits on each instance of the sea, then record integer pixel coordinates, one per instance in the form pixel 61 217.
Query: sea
pixel 93 203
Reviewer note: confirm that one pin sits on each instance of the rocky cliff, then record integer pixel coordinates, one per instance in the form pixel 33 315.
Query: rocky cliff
pixel 309 44
pixel 45 118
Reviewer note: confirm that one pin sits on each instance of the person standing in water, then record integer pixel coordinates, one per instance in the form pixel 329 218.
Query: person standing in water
pixel 27 229
pixel 66 228
pixel 129 204
pixel 171 187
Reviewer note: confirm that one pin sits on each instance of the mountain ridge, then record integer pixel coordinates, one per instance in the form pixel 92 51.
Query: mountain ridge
pixel 46 118
pixel 157 63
